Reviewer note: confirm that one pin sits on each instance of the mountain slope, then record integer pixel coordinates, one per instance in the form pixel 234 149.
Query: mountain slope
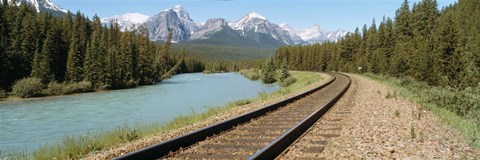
pixel 217 32
pixel 258 28
pixel 176 19
pixel 316 34
pixel 293 35
pixel 127 20
pixel 43 6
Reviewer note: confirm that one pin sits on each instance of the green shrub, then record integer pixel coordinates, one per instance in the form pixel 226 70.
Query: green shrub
pixel 287 82
pixel 251 74
pixel 78 87
pixel 27 87
pixel 55 88
pixel 3 94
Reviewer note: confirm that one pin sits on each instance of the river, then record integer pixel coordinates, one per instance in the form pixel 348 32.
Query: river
pixel 27 124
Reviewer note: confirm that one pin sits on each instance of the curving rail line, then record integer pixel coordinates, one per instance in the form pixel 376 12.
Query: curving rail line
pixel 261 134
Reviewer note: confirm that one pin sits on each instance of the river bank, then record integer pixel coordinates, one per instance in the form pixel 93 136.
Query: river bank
pixel 75 147
pixel 186 124
pixel 27 124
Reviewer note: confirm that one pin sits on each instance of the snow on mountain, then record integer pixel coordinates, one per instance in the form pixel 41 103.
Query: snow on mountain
pixel 336 35
pixel 42 5
pixel 127 20
pixel 316 34
pixel 209 28
pixel 293 33
pixel 254 22
pixel 252 26
pixel 176 19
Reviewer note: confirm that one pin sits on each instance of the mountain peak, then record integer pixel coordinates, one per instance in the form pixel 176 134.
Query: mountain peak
pixel 178 8
pixel 285 27
pixel 316 26
pixel 127 20
pixel 211 27
pixel 255 15
pixel 42 5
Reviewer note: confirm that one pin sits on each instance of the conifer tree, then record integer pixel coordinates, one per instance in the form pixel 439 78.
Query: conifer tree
pixel 284 74
pixel 42 67
pixel 94 55
pixel 404 45
pixel 76 52
pixel 268 72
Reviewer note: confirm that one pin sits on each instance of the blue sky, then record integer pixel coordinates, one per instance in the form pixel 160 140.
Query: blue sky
pixel 329 14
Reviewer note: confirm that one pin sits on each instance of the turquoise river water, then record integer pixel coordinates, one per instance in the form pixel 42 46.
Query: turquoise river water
pixel 27 124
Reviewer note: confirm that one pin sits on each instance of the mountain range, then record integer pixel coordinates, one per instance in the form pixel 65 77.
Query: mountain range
pixel 43 6
pixel 252 29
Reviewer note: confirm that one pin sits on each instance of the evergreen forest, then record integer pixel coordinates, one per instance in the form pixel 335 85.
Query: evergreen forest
pixel 74 49
pixel 439 47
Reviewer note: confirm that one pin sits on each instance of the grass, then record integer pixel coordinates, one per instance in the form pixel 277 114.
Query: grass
pixel 255 74
pixel 460 109
pixel 397 113
pixel 76 147
pixel 413 135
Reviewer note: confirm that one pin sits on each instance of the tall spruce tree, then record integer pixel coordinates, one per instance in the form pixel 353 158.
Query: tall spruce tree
pixel 284 74
pixel 403 47
pixel 268 72
pixel 76 52
pixel 94 55
pixel 42 66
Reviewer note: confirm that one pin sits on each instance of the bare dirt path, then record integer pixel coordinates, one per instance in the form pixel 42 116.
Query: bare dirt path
pixel 375 123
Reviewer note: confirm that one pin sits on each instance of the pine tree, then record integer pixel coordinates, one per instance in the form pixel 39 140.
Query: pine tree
pixel 76 53
pixel 94 55
pixel 146 68
pixel 42 61
pixel 268 72
pixel 404 45
pixel 448 48
pixel 284 74
pixel 163 56
pixel 4 63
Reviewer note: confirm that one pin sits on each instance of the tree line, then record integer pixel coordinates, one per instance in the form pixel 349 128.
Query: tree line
pixel 439 47
pixel 74 49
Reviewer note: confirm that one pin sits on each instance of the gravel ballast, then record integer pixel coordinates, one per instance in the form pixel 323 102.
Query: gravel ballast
pixel 145 142
pixel 384 125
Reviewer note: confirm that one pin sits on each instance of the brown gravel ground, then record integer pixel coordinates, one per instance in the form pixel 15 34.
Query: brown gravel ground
pixel 145 142
pixel 382 126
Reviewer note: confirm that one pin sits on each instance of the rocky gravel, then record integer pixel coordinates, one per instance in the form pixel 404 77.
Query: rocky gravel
pixel 244 140
pixel 145 142
pixel 382 125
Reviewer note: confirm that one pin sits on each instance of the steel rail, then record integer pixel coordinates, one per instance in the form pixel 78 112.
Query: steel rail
pixel 277 146
pixel 164 148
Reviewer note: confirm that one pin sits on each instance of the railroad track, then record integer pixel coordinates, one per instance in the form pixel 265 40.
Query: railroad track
pixel 261 134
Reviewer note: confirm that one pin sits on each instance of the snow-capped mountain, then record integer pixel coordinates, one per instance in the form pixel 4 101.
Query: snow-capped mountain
pixel 293 33
pixel 176 19
pixel 251 27
pixel 42 6
pixel 256 23
pixel 316 34
pixel 336 35
pixel 210 27
pixel 127 20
